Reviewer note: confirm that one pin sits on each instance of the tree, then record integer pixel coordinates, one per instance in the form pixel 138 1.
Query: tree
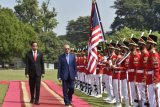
pixel 48 37
pixel 43 21
pixel 127 32
pixel 27 11
pixel 53 47
pixel 78 30
pixel 15 36
pixel 48 17
pixel 137 14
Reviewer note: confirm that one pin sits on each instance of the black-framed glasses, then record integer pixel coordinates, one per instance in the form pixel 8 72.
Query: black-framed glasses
pixel 67 48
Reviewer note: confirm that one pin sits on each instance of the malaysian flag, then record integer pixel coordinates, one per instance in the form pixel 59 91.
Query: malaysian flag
pixel 96 36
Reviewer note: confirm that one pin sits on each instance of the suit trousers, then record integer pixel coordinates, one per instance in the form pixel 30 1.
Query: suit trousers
pixel 68 90
pixel 34 84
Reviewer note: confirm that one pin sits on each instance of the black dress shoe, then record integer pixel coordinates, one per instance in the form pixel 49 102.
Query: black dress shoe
pixel 70 103
pixel 37 103
pixel 67 104
pixel 32 101
pixel 147 104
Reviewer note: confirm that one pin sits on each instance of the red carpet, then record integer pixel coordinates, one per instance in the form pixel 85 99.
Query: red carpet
pixel 46 99
pixel 50 96
pixel 77 102
pixel 13 96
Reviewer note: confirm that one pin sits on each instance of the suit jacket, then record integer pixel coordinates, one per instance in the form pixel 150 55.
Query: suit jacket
pixel 34 67
pixel 65 70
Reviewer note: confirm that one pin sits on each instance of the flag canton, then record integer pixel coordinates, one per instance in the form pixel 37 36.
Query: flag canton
pixel 95 21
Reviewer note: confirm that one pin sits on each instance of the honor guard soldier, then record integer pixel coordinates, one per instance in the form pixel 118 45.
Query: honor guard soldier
pixel 123 66
pixel 116 77
pixel 99 73
pixel 112 58
pixel 104 77
pixel 77 81
pixel 106 70
pixel 81 68
pixel 87 75
pixel 133 64
pixel 140 74
pixel 83 61
pixel 153 74
pixel 78 69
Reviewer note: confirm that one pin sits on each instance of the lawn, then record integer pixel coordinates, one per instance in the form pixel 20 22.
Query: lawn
pixel 3 89
pixel 50 75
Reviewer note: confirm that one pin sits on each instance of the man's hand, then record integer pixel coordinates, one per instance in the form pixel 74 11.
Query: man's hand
pixel 42 75
pixel 76 78
pixel 156 86
pixel 144 79
pixel 60 80
pixel 26 75
pixel 155 80
pixel 114 67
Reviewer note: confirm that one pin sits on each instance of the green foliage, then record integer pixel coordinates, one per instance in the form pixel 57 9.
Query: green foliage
pixel 14 36
pixel 127 32
pixel 53 46
pixel 27 11
pixel 78 30
pixel 137 14
pixel 48 17
pixel 3 93
pixel 43 21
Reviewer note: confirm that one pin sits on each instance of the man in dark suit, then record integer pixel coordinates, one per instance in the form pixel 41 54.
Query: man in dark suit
pixel 34 70
pixel 67 73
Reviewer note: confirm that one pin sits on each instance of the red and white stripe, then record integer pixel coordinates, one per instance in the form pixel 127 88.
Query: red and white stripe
pixel 97 36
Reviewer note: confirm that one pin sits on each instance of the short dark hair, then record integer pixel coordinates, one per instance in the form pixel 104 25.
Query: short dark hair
pixel 33 42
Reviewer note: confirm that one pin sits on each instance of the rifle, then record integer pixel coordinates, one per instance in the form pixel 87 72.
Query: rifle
pixel 124 57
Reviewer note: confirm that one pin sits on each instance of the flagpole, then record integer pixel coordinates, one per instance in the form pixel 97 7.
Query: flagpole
pixel 93 1
pixel 99 18
pixel 96 7
pixel 101 25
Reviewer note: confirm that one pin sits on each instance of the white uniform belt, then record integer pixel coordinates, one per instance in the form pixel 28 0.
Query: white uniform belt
pixel 149 72
pixel 140 71
pixel 81 66
pixel 131 70
pixel 117 71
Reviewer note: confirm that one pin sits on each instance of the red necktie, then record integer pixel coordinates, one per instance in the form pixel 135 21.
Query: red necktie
pixel 35 56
